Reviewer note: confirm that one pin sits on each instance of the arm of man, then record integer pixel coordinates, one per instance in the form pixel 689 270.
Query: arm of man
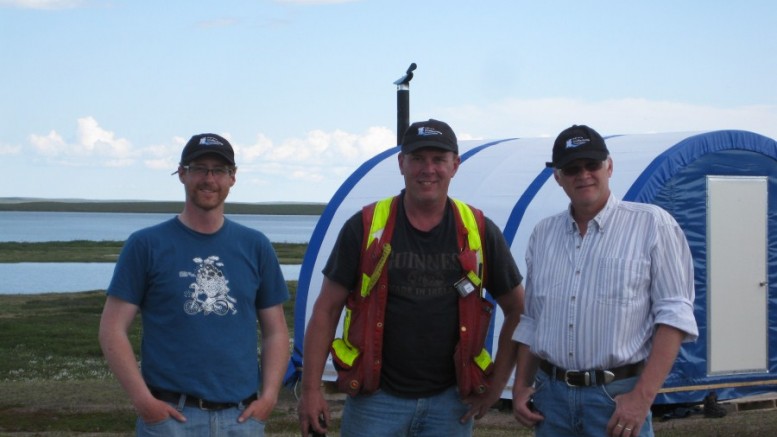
pixel 318 337
pixel 115 322
pixel 275 359
pixel 523 387
pixel 511 304
pixel 632 408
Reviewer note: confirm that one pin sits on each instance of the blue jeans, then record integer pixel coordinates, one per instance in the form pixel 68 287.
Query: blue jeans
pixel 202 423
pixel 383 415
pixel 579 411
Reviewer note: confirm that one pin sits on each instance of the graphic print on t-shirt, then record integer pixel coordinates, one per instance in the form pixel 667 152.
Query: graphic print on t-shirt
pixel 423 275
pixel 209 292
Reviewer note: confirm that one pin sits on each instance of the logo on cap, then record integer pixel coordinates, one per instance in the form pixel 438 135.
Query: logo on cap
pixel 425 131
pixel 576 142
pixel 210 141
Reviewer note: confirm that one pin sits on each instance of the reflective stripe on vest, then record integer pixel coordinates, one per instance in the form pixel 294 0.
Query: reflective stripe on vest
pixel 473 238
pixel 379 219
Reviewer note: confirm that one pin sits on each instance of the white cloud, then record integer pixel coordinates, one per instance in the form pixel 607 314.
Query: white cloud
pixel 48 145
pixel 317 147
pixel 42 4
pixel 93 146
pixel 254 151
pixel 163 156
pixel 7 149
pixel 93 138
pixel 307 175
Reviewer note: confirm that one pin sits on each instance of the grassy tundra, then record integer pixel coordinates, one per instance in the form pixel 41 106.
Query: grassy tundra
pixel 104 251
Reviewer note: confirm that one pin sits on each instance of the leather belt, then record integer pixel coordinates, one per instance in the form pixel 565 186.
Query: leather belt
pixel 589 378
pixel 202 404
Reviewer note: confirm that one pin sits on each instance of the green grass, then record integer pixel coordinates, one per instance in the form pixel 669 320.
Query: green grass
pixel 60 251
pixel 105 251
pixel 52 337
pixel 49 349
pixel 69 421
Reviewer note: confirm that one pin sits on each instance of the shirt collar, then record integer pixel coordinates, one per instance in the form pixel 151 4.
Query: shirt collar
pixel 600 220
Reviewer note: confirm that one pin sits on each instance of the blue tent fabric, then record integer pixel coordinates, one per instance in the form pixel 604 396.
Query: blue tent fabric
pixel 676 182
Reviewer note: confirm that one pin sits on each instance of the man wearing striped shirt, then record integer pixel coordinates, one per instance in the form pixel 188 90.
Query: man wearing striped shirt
pixel 609 300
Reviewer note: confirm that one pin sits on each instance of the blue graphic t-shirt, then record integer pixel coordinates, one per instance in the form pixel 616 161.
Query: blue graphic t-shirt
pixel 198 296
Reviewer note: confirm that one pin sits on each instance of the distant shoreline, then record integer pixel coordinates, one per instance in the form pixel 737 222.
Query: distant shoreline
pixel 53 205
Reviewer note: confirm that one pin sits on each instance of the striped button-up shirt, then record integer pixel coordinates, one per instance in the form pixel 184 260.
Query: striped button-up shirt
pixel 593 301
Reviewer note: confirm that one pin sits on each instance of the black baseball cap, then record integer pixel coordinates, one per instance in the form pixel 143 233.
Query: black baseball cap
pixel 429 133
pixel 578 142
pixel 204 144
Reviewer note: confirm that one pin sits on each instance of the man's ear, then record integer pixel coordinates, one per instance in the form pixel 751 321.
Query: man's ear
pixel 456 163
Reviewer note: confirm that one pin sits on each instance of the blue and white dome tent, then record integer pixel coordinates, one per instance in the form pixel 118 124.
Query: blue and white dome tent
pixel 720 186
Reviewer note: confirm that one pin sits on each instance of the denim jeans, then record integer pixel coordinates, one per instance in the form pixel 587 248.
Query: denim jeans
pixel 579 411
pixel 202 423
pixel 383 415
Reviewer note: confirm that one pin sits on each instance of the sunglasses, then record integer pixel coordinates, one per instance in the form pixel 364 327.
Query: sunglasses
pixel 589 166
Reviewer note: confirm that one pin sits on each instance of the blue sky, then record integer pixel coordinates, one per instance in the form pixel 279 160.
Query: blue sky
pixel 97 97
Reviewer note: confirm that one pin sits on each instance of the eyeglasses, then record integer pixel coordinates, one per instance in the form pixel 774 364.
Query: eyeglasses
pixel 202 171
pixel 574 170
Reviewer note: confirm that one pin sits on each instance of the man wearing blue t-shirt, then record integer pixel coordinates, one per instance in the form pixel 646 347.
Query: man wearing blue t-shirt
pixel 200 282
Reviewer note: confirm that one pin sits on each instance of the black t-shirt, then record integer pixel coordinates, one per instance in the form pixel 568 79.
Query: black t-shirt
pixel 421 323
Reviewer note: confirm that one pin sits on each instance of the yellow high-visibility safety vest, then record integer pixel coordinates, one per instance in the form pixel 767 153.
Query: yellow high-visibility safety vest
pixel 360 330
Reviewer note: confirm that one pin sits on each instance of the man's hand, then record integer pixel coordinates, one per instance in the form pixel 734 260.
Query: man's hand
pixel 311 409
pixel 522 409
pixel 260 409
pixel 480 404
pixel 154 411
pixel 631 409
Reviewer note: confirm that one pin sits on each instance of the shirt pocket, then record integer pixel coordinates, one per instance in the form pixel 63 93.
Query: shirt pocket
pixel 619 281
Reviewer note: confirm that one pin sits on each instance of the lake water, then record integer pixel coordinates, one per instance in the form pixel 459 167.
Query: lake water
pixel 27 278
pixel 97 226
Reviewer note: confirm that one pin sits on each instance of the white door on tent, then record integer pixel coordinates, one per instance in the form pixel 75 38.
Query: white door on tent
pixel 736 274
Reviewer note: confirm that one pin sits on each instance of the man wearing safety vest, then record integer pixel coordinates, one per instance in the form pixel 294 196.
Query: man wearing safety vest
pixel 410 272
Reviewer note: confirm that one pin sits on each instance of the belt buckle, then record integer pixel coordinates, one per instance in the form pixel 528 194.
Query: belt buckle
pixel 608 376
pixel 201 403
pixel 586 378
